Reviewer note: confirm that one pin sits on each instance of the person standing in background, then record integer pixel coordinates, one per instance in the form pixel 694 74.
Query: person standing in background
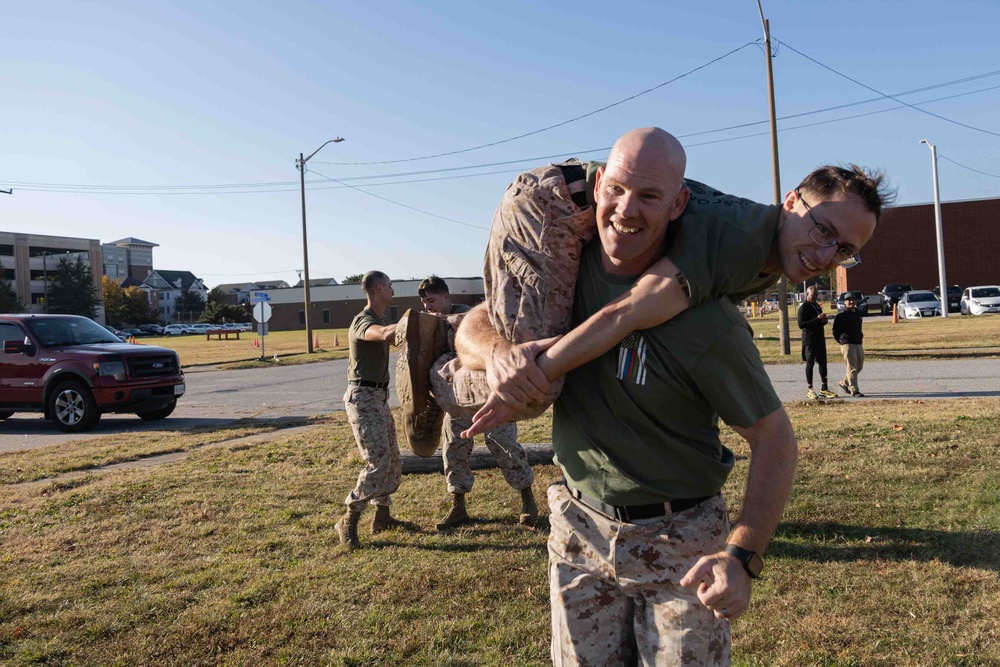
pixel 847 331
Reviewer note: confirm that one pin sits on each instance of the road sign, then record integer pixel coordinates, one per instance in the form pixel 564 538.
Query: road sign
pixel 259 297
pixel 262 311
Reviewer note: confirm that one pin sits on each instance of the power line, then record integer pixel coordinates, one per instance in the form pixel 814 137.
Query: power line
pixel 245 188
pixel 549 127
pixel 984 173
pixel 874 90
pixel 407 206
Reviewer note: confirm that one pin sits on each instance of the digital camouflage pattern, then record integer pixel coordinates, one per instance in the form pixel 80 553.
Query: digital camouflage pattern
pixel 529 277
pixel 615 586
pixel 375 432
pixel 502 443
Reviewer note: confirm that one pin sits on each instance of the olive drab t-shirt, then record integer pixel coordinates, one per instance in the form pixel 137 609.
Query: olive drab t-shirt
pixel 720 242
pixel 640 423
pixel 369 359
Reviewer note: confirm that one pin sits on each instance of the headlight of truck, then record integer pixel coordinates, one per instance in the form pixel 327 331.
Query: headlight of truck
pixel 115 369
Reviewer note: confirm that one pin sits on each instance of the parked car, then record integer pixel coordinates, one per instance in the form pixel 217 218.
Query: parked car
pixel 134 331
pixel 980 300
pixel 245 326
pixel 118 334
pixel 918 303
pixel 859 298
pixel 176 330
pixel 73 370
pixel 891 293
pixel 954 297
pixel 201 327
pixel 152 329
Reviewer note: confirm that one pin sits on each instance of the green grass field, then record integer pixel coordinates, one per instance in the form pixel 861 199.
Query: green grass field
pixel 888 553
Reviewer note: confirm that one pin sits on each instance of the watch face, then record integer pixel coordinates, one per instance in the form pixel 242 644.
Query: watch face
pixel 755 564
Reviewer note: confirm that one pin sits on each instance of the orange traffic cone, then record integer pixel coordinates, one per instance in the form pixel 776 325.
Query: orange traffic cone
pixel 336 340
pixel 256 343
pixel 895 315
pixel 315 341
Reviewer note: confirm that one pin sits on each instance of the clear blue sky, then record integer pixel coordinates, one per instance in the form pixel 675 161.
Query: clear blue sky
pixel 155 95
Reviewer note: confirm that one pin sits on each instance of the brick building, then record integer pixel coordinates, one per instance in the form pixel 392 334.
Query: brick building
pixel 334 306
pixel 904 247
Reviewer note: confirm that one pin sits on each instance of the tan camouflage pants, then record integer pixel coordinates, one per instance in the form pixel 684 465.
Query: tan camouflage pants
pixel 615 592
pixel 530 273
pixel 375 432
pixel 502 443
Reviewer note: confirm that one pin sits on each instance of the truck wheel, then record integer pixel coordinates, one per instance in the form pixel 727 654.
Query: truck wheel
pixel 72 408
pixel 153 415
pixel 4 414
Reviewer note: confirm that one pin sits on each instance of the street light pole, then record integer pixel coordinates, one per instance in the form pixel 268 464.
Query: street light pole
pixel 939 230
pixel 301 165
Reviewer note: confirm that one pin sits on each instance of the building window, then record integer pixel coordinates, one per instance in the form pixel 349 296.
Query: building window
pixel 326 316
pixel 302 317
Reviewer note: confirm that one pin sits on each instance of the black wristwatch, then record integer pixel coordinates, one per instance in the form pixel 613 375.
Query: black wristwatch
pixel 752 563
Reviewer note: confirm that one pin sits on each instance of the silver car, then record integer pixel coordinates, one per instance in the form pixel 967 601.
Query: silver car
pixel 918 303
pixel 980 300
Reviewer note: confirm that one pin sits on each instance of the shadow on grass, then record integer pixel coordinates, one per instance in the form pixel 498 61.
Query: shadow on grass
pixel 836 542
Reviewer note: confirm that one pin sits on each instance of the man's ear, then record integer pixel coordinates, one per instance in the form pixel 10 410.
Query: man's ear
pixel 791 199
pixel 597 180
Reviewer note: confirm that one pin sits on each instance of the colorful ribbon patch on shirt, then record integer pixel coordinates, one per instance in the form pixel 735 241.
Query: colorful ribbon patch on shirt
pixel 632 359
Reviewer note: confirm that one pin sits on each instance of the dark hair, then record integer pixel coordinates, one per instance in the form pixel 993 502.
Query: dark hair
pixel 432 285
pixel 872 186
pixel 372 280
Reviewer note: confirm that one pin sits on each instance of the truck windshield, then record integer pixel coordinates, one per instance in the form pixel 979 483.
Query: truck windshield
pixel 66 331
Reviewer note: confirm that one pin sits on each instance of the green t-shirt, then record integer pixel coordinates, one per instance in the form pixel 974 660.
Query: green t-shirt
pixel 457 308
pixel 719 243
pixel 640 423
pixel 369 360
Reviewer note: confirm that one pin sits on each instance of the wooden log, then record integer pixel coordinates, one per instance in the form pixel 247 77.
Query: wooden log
pixel 481 459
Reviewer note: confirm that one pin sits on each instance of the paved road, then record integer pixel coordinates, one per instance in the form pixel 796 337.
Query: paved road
pixel 309 389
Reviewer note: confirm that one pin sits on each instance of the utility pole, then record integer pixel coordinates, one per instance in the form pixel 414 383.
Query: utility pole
pixel 783 281
pixel 301 162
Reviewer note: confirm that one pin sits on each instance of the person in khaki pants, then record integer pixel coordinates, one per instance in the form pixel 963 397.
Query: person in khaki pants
pixel 847 332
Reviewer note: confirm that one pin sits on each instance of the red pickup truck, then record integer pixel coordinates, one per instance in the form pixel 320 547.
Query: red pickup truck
pixel 73 370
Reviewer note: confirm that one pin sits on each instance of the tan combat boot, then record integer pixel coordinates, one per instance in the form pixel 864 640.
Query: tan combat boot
pixel 457 516
pixel 529 510
pixel 420 339
pixel 347 529
pixel 383 520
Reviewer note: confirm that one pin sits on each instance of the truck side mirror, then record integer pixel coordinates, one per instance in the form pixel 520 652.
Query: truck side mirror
pixel 13 347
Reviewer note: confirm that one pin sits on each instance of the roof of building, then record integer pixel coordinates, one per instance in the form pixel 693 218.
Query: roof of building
pixel 186 277
pixel 125 283
pixel 228 288
pixel 318 282
pixel 131 240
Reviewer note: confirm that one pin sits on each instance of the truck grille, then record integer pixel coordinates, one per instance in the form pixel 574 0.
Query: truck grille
pixel 144 367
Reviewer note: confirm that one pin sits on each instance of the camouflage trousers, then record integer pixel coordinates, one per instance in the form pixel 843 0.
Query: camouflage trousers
pixel 502 443
pixel 375 432
pixel 532 261
pixel 614 586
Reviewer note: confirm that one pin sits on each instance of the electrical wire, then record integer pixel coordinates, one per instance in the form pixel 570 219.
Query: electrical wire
pixel 406 206
pixel 874 90
pixel 984 173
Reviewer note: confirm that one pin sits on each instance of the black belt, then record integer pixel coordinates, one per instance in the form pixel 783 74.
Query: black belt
pixel 629 513
pixel 366 383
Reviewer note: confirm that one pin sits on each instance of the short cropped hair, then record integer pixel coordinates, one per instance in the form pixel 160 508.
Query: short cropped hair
pixel 432 285
pixel 872 186
pixel 373 279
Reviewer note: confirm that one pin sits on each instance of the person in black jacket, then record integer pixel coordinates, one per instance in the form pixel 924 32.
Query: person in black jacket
pixel 847 332
pixel 812 319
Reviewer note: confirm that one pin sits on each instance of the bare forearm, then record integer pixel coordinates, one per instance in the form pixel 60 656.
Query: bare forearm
pixel 657 296
pixel 774 454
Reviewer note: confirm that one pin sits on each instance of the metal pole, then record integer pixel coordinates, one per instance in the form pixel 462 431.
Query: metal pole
pixel 45 279
pixel 776 171
pixel 939 230
pixel 305 254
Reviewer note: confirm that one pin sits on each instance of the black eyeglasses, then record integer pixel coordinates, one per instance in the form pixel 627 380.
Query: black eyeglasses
pixel 824 238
